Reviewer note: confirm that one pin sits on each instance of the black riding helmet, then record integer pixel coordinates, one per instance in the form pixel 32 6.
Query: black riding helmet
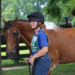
pixel 36 16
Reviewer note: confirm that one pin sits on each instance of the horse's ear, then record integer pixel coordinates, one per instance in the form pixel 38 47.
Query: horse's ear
pixel 15 21
pixel 4 20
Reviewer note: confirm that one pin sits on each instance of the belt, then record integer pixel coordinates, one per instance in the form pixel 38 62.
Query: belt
pixel 43 55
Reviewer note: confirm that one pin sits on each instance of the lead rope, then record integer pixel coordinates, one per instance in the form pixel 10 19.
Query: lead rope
pixel 20 58
pixel 23 59
pixel 28 64
pixel 29 69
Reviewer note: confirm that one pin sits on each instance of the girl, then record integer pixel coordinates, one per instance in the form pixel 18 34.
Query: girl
pixel 39 45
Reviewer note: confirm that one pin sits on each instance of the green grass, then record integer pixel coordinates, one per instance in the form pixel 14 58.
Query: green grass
pixel 10 63
pixel 16 72
pixel 64 69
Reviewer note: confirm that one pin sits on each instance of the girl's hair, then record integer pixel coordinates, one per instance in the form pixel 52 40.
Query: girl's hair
pixel 41 24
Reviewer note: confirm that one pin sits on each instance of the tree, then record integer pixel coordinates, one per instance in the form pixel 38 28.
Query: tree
pixel 20 8
pixel 59 8
pixel 0 39
pixel 53 10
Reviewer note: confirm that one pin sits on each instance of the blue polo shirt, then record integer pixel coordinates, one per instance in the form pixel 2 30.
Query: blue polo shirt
pixel 42 40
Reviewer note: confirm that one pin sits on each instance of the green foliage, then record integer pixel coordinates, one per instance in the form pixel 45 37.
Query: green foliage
pixel 68 8
pixel 21 8
pixel 59 8
pixel 53 10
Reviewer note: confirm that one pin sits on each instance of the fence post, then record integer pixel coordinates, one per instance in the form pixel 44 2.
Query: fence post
pixel 0 40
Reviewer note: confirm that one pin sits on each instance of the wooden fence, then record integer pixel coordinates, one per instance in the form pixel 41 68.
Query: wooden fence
pixel 18 49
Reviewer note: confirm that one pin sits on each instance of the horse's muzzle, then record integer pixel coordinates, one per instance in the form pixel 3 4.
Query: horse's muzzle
pixel 11 55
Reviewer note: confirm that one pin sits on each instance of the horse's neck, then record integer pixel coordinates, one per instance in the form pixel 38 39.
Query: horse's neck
pixel 26 32
pixel 54 35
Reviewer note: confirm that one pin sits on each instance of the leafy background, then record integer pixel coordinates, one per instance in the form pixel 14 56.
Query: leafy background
pixel 53 10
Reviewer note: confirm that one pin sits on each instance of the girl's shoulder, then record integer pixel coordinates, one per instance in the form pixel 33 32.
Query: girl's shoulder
pixel 42 34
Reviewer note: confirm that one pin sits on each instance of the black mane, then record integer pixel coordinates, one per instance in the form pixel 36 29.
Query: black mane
pixel 7 26
pixel 23 20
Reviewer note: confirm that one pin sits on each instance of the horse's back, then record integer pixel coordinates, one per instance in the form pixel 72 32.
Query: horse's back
pixel 61 44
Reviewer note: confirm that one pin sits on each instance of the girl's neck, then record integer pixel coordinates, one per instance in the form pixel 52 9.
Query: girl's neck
pixel 36 30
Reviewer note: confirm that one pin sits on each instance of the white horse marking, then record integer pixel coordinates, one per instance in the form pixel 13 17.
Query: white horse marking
pixel 8 31
pixel 50 25
pixel 53 67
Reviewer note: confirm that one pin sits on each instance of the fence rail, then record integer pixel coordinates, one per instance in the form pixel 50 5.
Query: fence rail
pixel 3 49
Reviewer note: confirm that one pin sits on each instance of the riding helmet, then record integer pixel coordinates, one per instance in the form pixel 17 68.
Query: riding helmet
pixel 36 16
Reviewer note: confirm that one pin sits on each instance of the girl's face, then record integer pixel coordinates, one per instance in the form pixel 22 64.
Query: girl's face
pixel 33 24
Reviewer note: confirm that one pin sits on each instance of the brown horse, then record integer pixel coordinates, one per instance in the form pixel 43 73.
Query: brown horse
pixel 61 47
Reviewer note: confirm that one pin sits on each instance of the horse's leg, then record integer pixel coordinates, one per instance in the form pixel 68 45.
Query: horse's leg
pixel 54 62
pixel 53 65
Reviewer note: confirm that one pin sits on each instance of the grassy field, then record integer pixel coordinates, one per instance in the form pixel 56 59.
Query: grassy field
pixel 64 69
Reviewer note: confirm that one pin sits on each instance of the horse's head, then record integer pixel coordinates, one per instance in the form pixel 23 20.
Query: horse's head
pixel 12 37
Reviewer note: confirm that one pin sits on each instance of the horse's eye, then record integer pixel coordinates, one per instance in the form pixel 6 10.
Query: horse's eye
pixel 14 33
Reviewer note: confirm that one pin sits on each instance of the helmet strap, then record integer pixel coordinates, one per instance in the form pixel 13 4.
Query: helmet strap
pixel 37 26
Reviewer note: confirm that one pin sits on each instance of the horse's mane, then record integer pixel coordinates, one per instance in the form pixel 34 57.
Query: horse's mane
pixel 23 20
pixel 7 26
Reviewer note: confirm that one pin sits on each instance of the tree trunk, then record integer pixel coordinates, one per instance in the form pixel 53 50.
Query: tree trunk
pixel 0 40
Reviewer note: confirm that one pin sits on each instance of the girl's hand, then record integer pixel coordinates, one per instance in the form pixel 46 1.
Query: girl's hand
pixel 26 60
pixel 31 60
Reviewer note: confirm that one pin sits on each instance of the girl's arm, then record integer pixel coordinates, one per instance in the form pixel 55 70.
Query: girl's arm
pixel 41 52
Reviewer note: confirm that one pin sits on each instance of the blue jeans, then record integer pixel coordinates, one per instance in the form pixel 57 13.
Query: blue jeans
pixel 41 65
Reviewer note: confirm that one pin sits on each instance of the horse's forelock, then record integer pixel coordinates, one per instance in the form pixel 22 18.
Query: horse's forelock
pixel 7 26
